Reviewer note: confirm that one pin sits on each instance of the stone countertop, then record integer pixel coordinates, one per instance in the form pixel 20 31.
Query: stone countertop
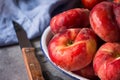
pixel 12 65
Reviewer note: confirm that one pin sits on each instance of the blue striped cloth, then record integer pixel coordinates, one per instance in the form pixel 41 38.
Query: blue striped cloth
pixel 33 15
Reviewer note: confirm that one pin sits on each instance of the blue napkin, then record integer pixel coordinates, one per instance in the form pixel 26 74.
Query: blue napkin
pixel 33 15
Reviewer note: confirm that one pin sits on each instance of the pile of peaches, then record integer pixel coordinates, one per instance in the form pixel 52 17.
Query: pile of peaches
pixel 86 40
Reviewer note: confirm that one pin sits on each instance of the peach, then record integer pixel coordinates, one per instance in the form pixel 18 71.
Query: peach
pixel 105 21
pixel 116 1
pixel 73 18
pixel 87 72
pixel 73 48
pixel 89 4
pixel 106 62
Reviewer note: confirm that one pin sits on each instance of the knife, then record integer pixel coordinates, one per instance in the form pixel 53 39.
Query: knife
pixel 32 65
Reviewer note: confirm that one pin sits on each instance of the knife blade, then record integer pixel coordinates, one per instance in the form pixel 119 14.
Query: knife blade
pixel 28 51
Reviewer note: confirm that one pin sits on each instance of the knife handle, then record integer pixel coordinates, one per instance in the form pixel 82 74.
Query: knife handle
pixel 32 64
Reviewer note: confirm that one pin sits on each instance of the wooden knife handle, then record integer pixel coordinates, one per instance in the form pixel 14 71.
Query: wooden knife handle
pixel 32 64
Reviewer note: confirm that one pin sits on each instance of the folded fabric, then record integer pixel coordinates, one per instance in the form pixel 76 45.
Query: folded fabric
pixel 33 15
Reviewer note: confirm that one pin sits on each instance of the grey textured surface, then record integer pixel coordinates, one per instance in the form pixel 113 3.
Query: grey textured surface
pixel 12 65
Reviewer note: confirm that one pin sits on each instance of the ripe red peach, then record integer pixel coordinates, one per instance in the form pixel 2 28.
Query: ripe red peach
pixel 105 21
pixel 73 48
pixel 73 18
pixel 89 4
pixel 106 62
pixel 87 72
pixel 116 1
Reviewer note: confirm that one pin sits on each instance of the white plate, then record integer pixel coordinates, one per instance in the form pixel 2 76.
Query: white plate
pixel 45 38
